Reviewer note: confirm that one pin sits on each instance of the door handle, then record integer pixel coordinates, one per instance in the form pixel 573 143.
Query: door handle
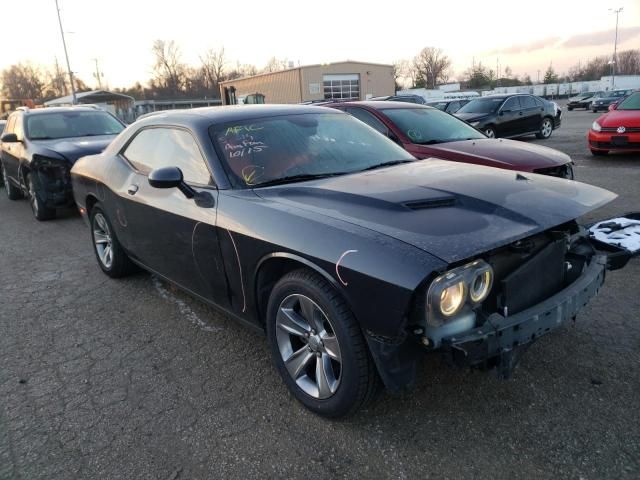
pixel 133 189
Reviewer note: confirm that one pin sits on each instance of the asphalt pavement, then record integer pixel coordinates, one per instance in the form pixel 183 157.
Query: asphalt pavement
pixel 132 379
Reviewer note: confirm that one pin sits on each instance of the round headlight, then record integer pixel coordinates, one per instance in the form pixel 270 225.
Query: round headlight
pixel 595 126
pixel 452 299
pixel 480 286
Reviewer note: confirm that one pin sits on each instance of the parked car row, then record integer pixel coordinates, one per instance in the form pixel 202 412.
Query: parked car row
pixel 598 101
pixel 327 233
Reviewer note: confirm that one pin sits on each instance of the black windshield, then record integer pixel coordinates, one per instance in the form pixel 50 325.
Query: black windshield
pixel 482 105
pixel 289 148
pixel 90 123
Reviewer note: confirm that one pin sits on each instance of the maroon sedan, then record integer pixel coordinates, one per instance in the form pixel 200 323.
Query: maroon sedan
pixel 428 132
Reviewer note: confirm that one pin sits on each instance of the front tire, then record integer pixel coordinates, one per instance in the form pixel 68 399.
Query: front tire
pixel 110 255
pixel 38 206
pixel 317 346
pixel 490 132
pixel 13 193
pixel 570 108
pixel 546 128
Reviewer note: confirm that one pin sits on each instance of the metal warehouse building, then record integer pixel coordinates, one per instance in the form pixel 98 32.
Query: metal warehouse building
pixel 340 80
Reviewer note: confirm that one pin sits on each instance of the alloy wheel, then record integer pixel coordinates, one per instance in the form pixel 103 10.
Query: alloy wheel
pixel 102 240
pixel 547 128
pixel 308 346
pixel 489 132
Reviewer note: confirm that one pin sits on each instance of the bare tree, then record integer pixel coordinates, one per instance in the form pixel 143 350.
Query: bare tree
pixel 22 80
pixel 628 62
pixel 431 66
pixel 275 64
pixel 213 66
pixel 169 71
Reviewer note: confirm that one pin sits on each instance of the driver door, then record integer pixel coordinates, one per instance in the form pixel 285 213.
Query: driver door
pixel 510 118
pixel 170 234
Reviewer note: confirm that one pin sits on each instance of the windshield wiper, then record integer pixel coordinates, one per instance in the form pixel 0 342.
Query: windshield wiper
pixel 297 178
pixel 386 164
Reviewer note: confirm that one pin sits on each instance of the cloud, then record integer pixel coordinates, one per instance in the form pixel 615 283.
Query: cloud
pixel 527 47
pixel 604 37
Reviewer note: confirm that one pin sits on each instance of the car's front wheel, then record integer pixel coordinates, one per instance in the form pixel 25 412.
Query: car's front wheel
pixel 317 346
pixel 570 108
pixel 112 258
pixel 38 206
pixel 546 128
pixel 13 193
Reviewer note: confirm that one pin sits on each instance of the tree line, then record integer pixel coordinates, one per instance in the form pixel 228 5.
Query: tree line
pixel 172 77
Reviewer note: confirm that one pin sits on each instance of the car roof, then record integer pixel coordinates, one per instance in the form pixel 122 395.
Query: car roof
pixel 206 116
pixel 41 111
pixel 386 105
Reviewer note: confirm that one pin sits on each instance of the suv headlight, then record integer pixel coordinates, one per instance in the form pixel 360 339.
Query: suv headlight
pixel 468 285
pixel 595 126
pixel 474 124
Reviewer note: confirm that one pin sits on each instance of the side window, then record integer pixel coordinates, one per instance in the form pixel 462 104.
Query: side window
pixel 17 127
pixel 528 102
pixel 369 119
pixel 453 107
pixel 168 147
pixel 10 124
pixel 512 105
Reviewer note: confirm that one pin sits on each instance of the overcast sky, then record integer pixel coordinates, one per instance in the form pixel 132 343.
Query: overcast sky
pixel 526 35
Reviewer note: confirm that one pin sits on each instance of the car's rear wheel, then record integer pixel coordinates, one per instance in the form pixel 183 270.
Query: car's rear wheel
pixel 546 128
pixel 13 193
pixel 38 206
pixel 490 132
pixel 317 346
pixel 599 153
pixel 594 110
pixel 112 258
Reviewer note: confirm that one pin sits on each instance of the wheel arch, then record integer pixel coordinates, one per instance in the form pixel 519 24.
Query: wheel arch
pixel 273 267
pixel 90 202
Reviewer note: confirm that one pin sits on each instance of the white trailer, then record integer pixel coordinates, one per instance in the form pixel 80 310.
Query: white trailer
pixel 539 90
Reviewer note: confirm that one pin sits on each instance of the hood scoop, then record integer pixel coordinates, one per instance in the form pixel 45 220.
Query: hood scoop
pixel 430 203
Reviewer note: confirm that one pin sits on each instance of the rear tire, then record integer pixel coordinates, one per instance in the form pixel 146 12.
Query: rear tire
pixel 317 346
pixel 38 206
pixel 111 257
pixel 546 128
pixel 599 153
pixel 13 192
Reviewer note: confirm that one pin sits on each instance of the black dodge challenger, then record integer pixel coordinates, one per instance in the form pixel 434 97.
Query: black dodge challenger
pixel 353 256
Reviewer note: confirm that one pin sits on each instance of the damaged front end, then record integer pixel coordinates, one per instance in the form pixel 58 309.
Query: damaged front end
pixel 52 180
pixel 486 312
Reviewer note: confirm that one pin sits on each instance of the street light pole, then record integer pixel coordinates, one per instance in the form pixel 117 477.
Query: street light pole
pixel 614 61
pixel 64 44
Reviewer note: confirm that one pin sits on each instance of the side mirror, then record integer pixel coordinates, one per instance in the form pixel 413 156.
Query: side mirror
pixel 170 177
pixel 613 106
pixel 9 138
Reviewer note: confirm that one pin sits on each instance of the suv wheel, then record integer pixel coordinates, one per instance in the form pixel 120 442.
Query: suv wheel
pixel 317 346
pixel 490 132
pixel 13 193
pixel 38 207
pixel 546 128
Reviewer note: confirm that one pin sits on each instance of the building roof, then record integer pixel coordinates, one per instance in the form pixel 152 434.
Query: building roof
pixel 93 96
pixel 304 66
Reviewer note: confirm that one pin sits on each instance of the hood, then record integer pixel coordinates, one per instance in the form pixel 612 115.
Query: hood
pixel 449 210
pixel 73 148
pixel 620 118
pixel 471 117
pixel 501 153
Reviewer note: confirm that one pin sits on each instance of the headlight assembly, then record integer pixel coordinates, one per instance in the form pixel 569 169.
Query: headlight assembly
pixel 474 124
pixel 595 126
pixel 449 293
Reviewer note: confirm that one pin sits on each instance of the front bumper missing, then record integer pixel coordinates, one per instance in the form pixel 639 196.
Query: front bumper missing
pixel 499 341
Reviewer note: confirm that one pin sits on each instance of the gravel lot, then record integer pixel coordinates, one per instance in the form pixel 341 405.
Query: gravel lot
pixel 132 379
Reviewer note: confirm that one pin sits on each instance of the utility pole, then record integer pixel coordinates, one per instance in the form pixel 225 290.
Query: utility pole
pixel 538 76
pixel 98 75
pixel 64 44
pixel 615 49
